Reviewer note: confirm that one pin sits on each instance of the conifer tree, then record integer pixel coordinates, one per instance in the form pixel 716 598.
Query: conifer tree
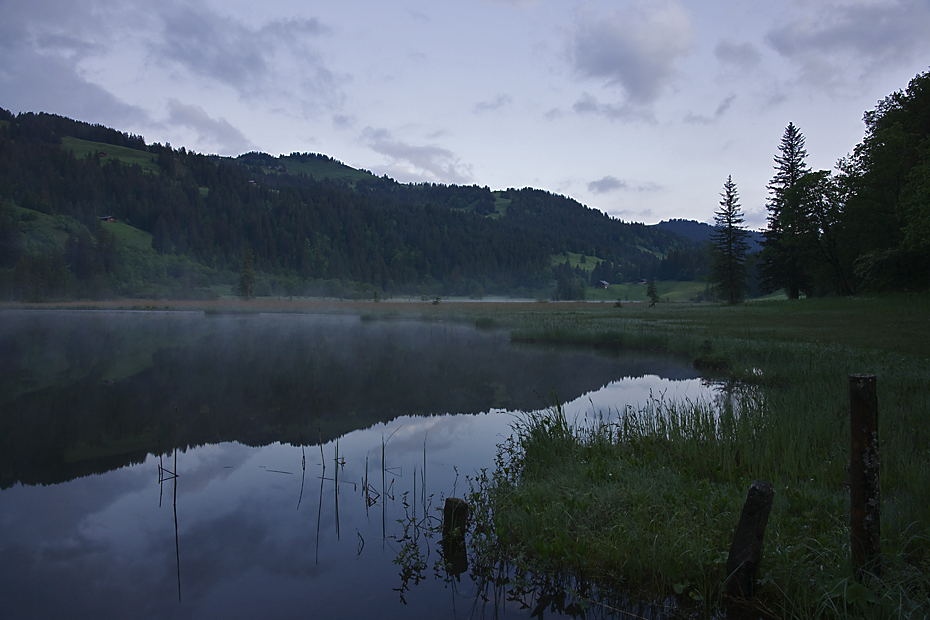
pixel 652 293
pixel 247 275
pixel 784 254
pixel 728 267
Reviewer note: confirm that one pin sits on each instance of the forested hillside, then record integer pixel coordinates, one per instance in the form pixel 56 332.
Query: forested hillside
pixel 182 224
pixel 312 224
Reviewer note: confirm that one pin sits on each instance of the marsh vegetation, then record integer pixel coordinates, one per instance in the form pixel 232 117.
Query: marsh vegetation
pixel 648 501
pixel 589 505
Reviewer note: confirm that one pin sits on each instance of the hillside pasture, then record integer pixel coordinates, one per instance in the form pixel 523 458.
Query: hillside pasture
pixel 319 169
pixel 669 291
pixel 83 148
pixel 574 260
pixel 128 235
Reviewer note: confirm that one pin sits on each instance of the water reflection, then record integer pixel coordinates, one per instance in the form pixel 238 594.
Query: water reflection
pixel 391 419
pixel 87 392
pixel 164 475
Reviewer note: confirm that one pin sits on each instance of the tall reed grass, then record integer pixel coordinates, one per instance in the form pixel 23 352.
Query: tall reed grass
pixel 648 500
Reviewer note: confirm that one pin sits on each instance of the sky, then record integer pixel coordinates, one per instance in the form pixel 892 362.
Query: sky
pixel 641 109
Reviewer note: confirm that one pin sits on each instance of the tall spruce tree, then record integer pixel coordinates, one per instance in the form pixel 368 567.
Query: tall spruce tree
pixel 728 267
pixel 783 261
pixel 247 275
pixel 652 292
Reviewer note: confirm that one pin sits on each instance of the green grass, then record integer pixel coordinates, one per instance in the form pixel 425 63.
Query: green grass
pixel 649 251
pixel 81 148
pixel 500 205
pixel 42 232
pixel 647 503
pixel 672 291
pixel 323 169
pixel 575 260
pixel 128 235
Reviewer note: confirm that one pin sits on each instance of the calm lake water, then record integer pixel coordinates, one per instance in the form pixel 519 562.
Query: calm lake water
pixel 92 404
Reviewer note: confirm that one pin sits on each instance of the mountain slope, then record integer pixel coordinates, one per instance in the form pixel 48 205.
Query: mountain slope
pixel 306 217
pixel 700 232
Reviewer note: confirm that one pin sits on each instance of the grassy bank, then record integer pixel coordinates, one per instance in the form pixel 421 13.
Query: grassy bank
pixel 648 503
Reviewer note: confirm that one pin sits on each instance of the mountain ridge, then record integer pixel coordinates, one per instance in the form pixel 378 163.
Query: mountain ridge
pixel 306 217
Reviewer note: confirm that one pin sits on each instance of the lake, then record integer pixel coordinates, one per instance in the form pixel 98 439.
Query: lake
pixel 282 504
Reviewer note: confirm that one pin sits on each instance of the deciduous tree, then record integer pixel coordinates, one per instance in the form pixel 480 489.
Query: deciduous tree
pixel 823 199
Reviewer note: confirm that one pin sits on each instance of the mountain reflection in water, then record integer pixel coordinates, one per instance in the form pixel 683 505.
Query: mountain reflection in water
pixel 257 534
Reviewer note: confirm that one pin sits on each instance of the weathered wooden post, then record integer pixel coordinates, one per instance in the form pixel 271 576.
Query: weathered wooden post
pixel 454 516
pixel 454 523
pixel 864 500
pixel 746 548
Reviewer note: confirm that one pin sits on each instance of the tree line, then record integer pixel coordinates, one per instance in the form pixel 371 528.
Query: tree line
pixel 865 227
pixel 207 210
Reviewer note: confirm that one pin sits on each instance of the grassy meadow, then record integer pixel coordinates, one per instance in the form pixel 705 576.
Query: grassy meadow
pixel 83 148
pixel 645 504
pixel 323 169
pixel 129 235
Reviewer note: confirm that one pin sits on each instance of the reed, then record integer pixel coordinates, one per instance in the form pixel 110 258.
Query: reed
pixel 647 500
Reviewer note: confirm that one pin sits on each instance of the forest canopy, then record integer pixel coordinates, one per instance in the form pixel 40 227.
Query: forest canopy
pixel 307 218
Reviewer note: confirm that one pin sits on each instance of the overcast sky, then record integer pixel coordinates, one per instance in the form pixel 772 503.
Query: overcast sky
pixel 640 109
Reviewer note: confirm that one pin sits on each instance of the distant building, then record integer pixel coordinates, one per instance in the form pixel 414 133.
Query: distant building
pixel 602 284
pixel 107 218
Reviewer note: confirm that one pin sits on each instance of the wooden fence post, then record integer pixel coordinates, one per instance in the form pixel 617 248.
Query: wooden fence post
pixel 454 524
pixel 746 548
pixel 864 500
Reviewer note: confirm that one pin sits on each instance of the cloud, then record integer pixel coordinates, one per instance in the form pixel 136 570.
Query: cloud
pixel 513 2
pixel 35 83
pixel 643 215
pixel 636 48
pixel 649 186
pixel 607 184
pixel 588 104
pixel 410 162
pixel 253 61
pixel 612 184
pixel 843 43
pixel 41 49
pixel 500 102
pixel 342 121
pixel 216 133
pixel 214 47
pixel 741 55
pixel 699 119
pixel 419 16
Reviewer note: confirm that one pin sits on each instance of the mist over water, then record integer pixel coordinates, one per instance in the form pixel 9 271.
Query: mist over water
pixel 262 527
